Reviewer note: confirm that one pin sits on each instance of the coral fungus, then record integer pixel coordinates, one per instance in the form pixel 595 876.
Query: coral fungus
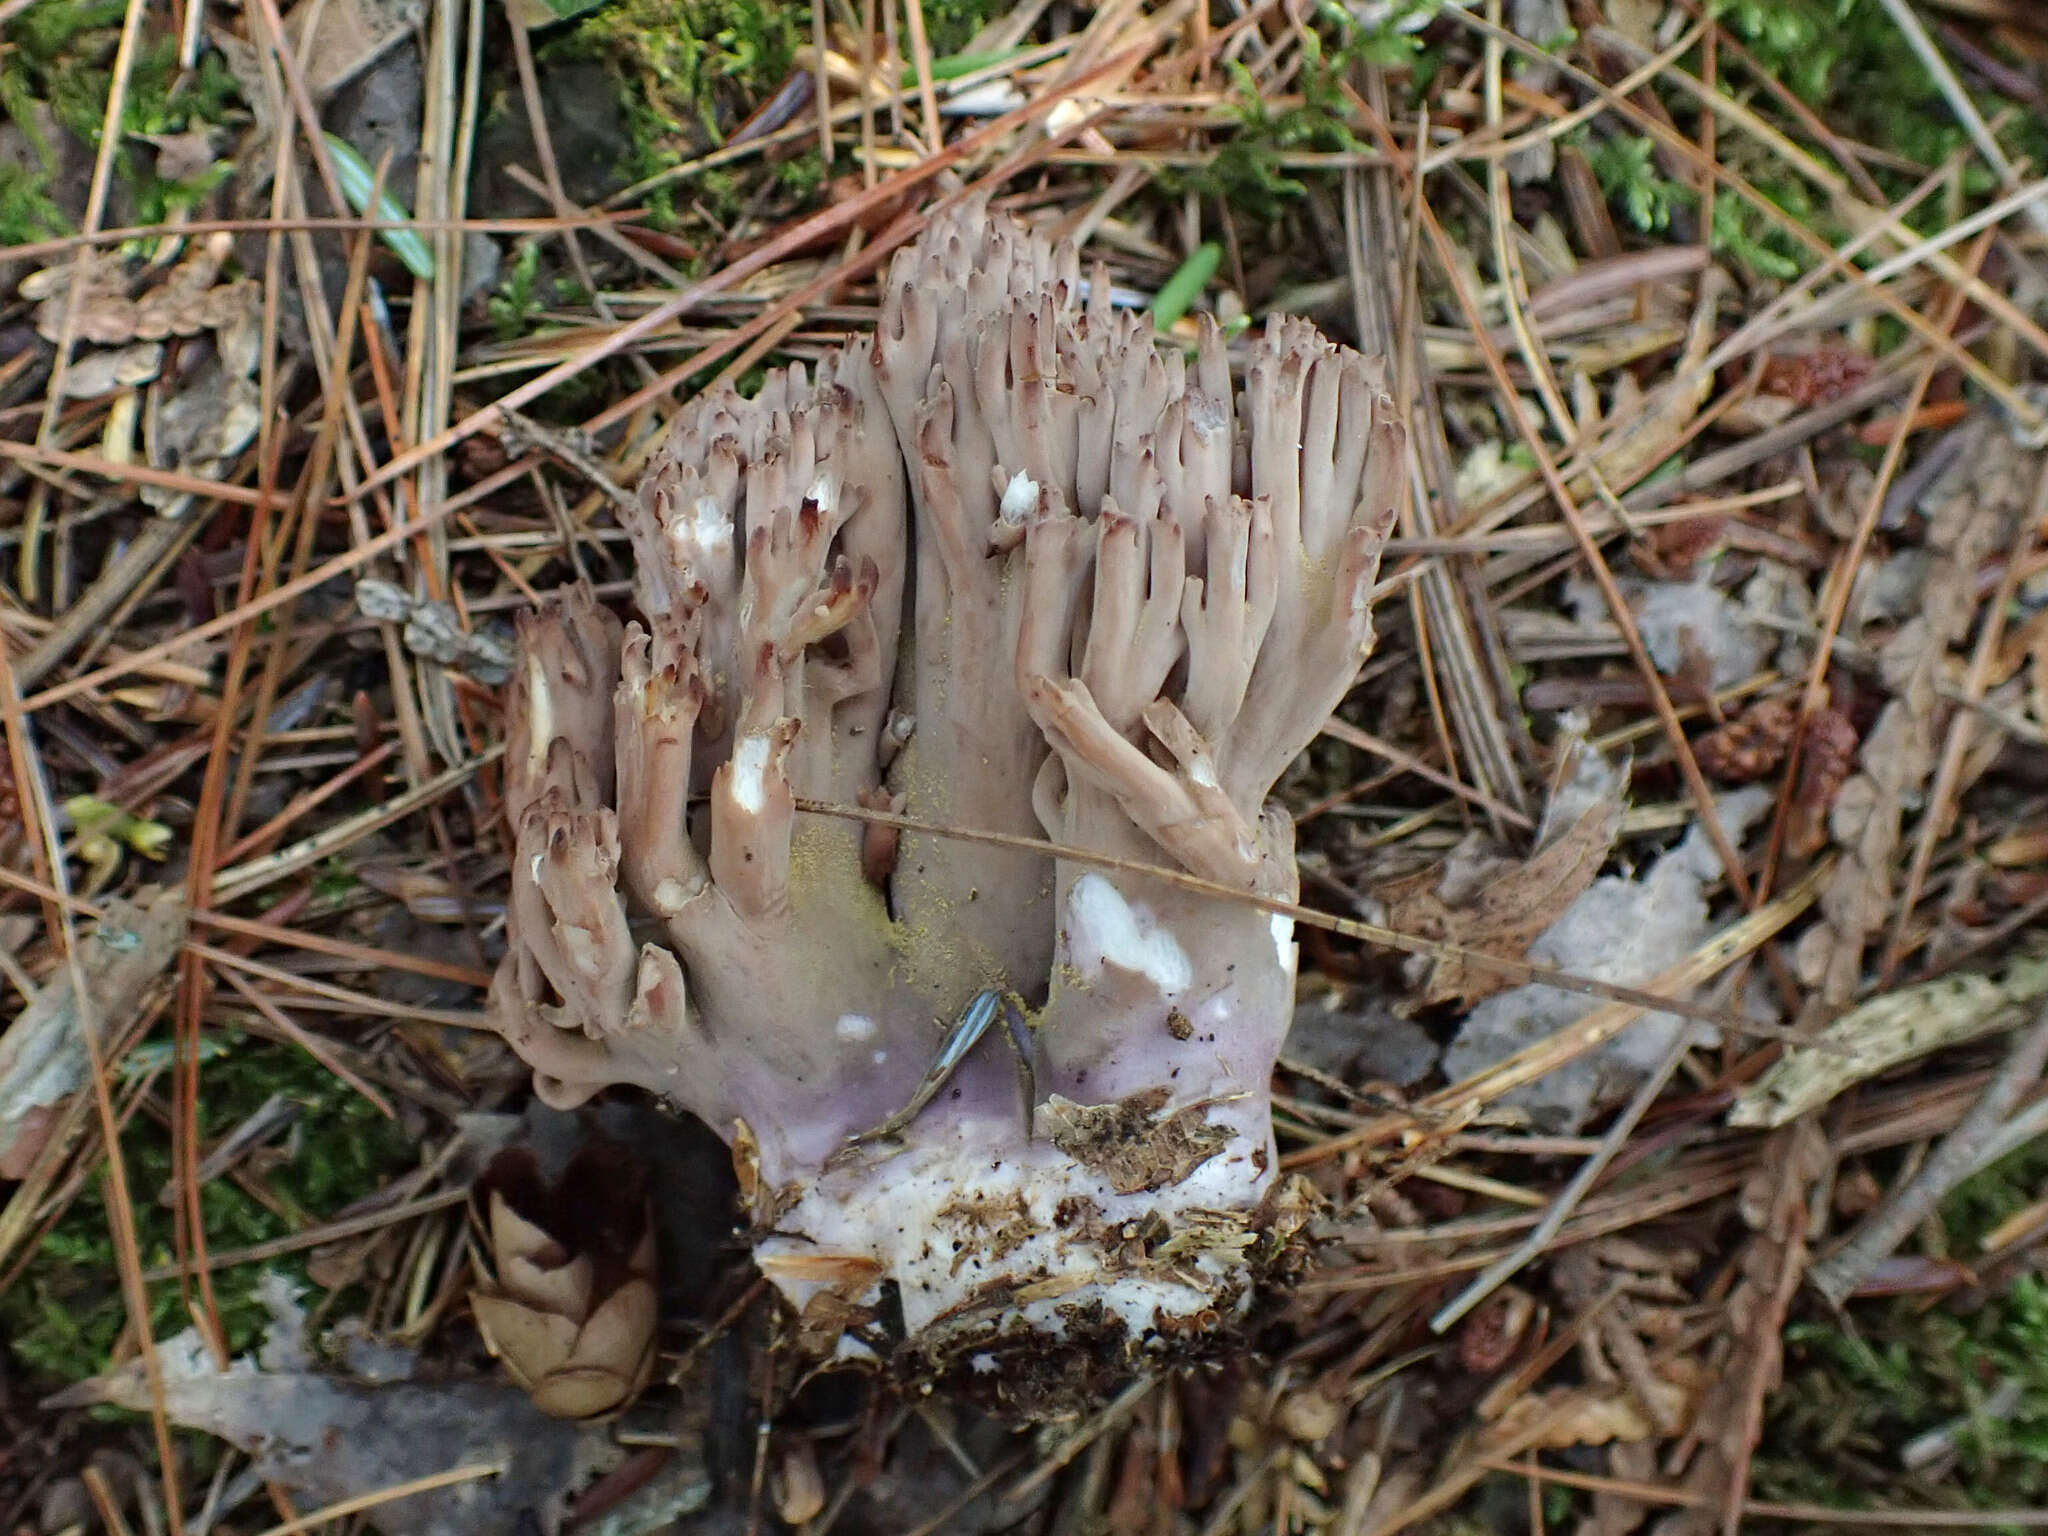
pixel 1013 567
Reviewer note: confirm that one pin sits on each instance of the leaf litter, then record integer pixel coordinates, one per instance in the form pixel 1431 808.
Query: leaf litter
pixel 1815 484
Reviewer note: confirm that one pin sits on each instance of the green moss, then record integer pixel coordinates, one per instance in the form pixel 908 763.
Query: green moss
pixel 61 55
pixel 802 175
pixel 1626 167
pixel 1248 171
pixel 60 1318
pixel 1743 234
pixel 26 212
pixel 2001 1191
pixel 1394 39
pixel 687 73
pixel 950 25
pixel 1854 1396
pixel 1799 41
pixel 686 64
pixel 1757 243
pixel 333 882
pixel 1847 59
pixel 513 306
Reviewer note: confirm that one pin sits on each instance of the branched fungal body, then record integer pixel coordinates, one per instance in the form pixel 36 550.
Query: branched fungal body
pixel 1010 566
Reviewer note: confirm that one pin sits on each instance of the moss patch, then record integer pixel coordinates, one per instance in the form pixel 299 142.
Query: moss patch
pixel 688 71
pixel 1855 1396
pixel 61 1317
pixel 950 25
pixel 59 62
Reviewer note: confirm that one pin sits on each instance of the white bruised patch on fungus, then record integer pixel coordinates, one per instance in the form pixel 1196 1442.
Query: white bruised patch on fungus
pixel 1104 930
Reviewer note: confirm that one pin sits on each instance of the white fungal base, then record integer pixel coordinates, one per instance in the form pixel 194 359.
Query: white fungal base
pixel 984 1236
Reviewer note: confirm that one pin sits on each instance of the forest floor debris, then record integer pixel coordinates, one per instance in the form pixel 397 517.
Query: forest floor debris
pixel 1723 330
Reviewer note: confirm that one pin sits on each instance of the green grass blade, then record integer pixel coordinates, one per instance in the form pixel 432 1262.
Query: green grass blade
pixel 357 181
pixel 1186 285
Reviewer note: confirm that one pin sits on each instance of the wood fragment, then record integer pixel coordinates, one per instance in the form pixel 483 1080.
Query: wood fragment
pixel 1890 1030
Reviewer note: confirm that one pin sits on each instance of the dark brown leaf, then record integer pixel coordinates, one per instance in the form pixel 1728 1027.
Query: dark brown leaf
pixel 1506 913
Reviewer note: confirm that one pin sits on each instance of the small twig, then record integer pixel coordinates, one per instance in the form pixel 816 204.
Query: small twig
pixel 1760 1509
pixel 74 295
pixel 316 1237
pixel 361 1002
pixel 32 786
pixel 1597 566
pixel 1844 1271
pixel 1224 1517
pixel 362 1501
pixel 121 234
pixel 1868 283
pixel 306 1041
pixel 234 883
pixel 364 955
pixel 125 474
pixel 1339 729
pixel 105 1501
pixel 522 434
pixel 967 1495
pixel 159 536
pixel 307 800
pixel 830 221
pixel 1119 1409
pixel 1835 601
pixel 1963 728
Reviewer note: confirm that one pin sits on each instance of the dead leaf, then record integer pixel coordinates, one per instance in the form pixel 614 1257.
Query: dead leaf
pixel 1502 913
pixel 1636 20
pixel 43 1059
pixel 235 311
pixel 1975 508
pixel 1623 927
pixel 1129 1143
pixel 2026 646
pixel 330 1436
pixel 204 423
pixel 182 156
pixel 1774 1204
pixel 186 302
pixel 96 286
pixel 1569 1416
pixel 350 36
pixel 1830 758
pixel 101 373
pixel 212 416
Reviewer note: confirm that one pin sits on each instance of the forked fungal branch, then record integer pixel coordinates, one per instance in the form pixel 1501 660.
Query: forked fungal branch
pixel 1013 566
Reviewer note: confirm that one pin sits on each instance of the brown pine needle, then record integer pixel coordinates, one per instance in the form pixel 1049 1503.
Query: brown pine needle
pixel 342 1508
